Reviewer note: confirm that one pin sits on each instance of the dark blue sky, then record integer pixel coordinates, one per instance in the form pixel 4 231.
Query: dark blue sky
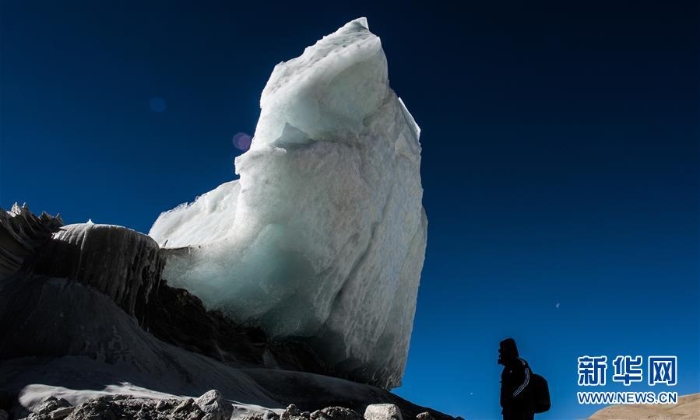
pixel 560 158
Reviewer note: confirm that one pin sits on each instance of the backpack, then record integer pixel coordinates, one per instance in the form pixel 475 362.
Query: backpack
pixel 540 393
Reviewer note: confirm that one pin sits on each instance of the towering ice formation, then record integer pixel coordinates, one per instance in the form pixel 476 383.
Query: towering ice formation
pixel 323 236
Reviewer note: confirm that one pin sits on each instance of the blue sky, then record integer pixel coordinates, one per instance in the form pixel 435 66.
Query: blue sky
pixel 560 159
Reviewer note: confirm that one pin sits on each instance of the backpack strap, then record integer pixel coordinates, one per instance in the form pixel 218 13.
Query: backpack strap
pixel 527 378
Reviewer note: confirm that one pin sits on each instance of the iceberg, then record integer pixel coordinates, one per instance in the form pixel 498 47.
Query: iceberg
pixel 323 236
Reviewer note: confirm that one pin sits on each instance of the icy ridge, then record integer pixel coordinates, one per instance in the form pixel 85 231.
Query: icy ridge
pixel 21 233
pixel 122 263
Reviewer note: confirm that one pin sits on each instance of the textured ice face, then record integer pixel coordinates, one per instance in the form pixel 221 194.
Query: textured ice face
pixel 324 235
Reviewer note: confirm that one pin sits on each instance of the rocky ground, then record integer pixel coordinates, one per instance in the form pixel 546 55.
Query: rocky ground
pixel 210 406
pixel 688 408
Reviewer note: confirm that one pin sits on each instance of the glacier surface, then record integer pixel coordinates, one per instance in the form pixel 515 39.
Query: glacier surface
pixel 323 236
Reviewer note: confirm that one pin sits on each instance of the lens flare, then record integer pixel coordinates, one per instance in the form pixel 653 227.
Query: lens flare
pixel 242 141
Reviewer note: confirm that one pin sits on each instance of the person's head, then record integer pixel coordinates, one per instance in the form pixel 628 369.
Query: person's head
pixel 507 351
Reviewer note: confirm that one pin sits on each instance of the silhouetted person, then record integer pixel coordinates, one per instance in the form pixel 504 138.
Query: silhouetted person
pixel 516 397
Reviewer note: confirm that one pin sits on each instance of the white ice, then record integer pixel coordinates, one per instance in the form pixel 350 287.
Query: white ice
pixel 324 234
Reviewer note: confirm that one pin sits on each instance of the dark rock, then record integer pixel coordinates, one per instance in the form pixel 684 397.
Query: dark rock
pixel 186 405
pixel 179 318
pixel 51 404
pixel 163 405
pixel 61 413
pixel 336 413
pixel 215 406
pixel 94 409
pixel 291 412
pixel 268 415
pixel 126 407
pixel 21 233
pixel 328 413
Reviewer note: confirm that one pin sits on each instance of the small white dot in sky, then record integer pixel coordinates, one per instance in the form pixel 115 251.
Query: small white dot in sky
pixel 557 305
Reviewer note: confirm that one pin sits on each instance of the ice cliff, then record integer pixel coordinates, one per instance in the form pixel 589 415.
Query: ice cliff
pixel 323 237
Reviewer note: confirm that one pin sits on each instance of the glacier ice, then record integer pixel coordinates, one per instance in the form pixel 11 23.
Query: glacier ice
pixel 323 236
